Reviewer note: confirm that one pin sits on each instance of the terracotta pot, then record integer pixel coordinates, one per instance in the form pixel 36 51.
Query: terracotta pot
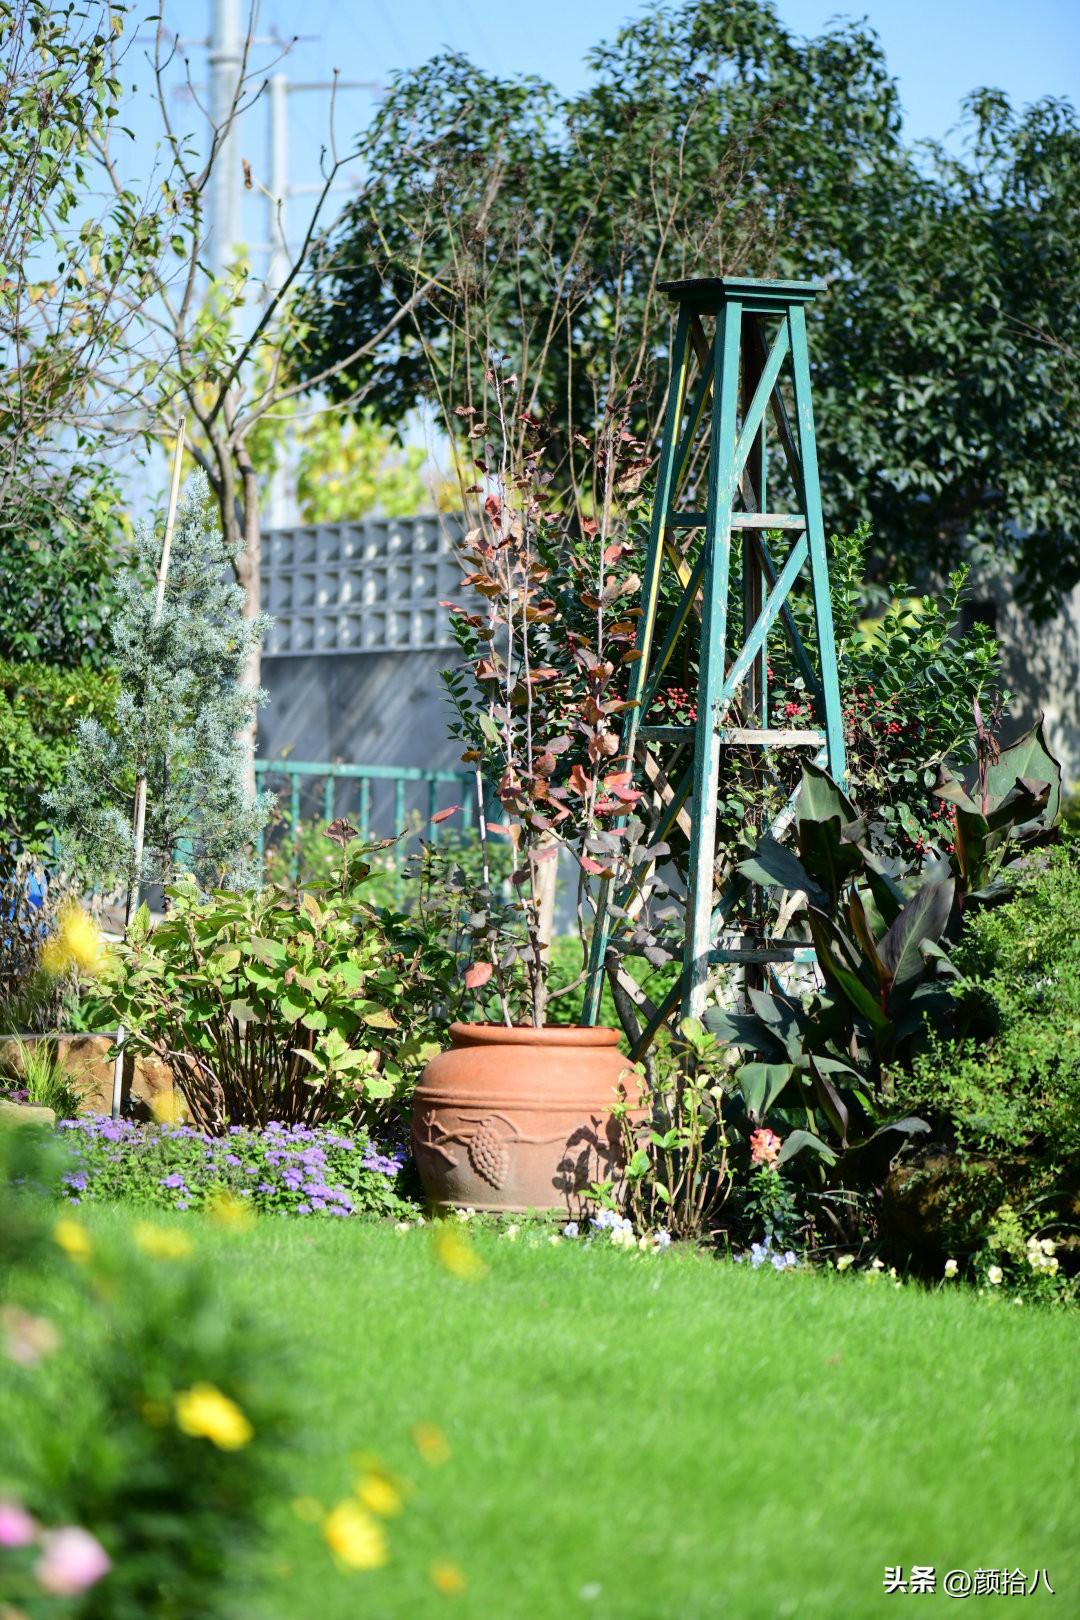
pixel 514 1119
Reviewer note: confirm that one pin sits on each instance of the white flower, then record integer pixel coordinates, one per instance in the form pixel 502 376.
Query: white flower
pixel 554 1238
pixel 623 1237
pixel 843 1261
pixel 951 1268
pixel 465 1214
pixel 1048 1247
pixel 403 1226
pixel 995 1275
pixel 511 1232
pixel 877 1265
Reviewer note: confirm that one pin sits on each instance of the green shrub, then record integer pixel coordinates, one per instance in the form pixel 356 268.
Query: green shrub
pixel 299 1008
pixel 136 1410
pixel 39 709
pixel 908 680
pixel 1006 1087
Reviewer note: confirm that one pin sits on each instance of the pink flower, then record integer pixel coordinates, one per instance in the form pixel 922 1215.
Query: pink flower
pixel 71 1560
pixel 764 1147
pixel 17 1528
pixel 27 1338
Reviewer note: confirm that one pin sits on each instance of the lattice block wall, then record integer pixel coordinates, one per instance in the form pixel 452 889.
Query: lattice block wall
pixel 373 586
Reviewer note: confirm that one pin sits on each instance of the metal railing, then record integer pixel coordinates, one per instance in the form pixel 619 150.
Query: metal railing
pixel 406 782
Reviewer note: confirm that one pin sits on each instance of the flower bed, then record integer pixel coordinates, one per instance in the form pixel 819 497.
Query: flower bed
pixel 282 1170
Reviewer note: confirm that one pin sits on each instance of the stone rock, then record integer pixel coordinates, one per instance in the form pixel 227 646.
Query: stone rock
pixel 87 1059
pixel 24 1114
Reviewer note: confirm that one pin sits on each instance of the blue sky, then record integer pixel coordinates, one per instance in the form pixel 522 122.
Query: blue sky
pixel 937 49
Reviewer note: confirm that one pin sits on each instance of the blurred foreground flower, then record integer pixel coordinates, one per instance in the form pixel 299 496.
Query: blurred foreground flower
pixel 71 1560
pixel 17 1528
pixel 378 1493
pixel 456 1253
pixel 447 1578
pixel 431 1443
pixel 205 1413
pixel 160 1243
pixel 73 1238
pixel 357 1540
pixel 77 943
pixel 27 1338
pixel 228 1210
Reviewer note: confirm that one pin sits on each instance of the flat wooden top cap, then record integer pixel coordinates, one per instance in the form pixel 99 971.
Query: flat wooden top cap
pixel 755 291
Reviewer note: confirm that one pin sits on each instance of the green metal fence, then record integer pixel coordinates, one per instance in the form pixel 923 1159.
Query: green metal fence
pixel 405 783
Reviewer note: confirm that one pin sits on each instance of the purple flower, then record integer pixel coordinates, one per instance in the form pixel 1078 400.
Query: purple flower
pixel 175 1181
pixel 303 1209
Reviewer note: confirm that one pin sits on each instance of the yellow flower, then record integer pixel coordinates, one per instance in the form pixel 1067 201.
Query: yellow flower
pixel 207 1414
pixel 431 1443
pixel 843 1261
pixel 453 1250
pixel 228 1210
pixel 161 1243
pixel 356 1540
pixel 76 944
pixel 447 1578
pixel 73 1238
pixel 379 1494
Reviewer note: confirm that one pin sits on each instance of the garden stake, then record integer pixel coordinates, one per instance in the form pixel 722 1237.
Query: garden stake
pixel 739 333
pixel 138 824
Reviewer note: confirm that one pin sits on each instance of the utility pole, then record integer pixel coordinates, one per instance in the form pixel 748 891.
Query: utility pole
pixel 226 62
pixel 278 233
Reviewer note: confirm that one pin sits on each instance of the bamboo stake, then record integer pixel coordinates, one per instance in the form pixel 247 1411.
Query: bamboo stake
pixel 138 824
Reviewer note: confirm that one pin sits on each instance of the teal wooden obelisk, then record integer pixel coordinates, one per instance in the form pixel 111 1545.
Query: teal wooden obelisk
pixel 740 352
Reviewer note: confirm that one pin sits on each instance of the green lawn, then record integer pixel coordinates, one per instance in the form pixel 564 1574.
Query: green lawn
pixel 641 1438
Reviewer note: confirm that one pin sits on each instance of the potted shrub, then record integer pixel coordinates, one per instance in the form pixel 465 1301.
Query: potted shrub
pixel 518 1112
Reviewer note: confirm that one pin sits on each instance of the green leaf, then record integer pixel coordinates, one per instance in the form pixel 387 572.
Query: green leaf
pixel 1028 759
pixel 829 945
pixel 798 1140
pixel 923 918
pixel 761 1084
pixel 772 865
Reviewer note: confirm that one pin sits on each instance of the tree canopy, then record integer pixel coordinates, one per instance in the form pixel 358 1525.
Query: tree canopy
pixel 711 140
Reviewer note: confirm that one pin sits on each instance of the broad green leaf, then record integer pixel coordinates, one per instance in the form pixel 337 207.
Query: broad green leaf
pixel 798 1140
pixel 830 945
pixel 773 865
pixel 923 918
pixel 761 1084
